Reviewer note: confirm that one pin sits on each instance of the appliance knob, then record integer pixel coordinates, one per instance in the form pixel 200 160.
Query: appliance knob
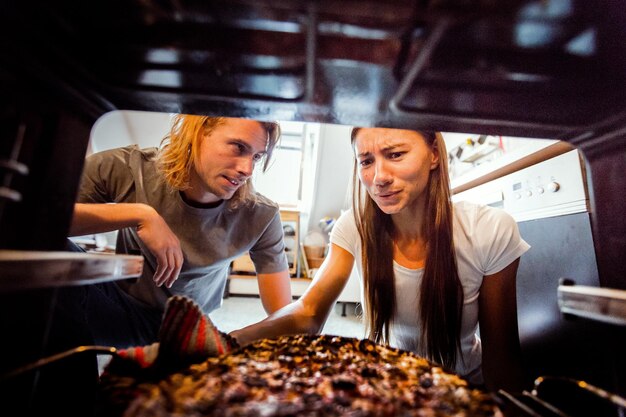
pixel 553 187
pixel 540 190
pixel 517 196
pixel 529 193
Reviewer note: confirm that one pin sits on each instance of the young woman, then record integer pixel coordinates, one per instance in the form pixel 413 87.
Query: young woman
pixel 432 272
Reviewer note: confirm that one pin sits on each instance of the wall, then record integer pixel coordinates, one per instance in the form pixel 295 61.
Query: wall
pixel 325 184
pixel 334 171
pixel 121 128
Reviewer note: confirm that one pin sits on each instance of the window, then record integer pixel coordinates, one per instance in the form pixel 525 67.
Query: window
pixel 282 182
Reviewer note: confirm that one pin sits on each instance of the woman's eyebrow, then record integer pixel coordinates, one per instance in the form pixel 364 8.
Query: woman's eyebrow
pixel 392 148
pixel 384 150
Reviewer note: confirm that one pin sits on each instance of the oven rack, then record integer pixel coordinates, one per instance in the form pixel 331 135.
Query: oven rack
pixel 31 270
pixel 35 366
pixel 30 282
pixel 554 396
pixel 605 305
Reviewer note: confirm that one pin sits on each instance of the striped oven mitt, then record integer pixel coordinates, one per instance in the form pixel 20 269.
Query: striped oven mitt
pixel 186 336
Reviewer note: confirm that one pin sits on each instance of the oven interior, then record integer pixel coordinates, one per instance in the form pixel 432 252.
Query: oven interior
pixel 545 69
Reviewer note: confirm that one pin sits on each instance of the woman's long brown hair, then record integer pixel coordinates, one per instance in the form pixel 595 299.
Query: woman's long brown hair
pixel 441 293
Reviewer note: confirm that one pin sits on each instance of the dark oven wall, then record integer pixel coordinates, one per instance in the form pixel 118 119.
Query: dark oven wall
pixel 552 343
pixel 550 69
pixel 512 67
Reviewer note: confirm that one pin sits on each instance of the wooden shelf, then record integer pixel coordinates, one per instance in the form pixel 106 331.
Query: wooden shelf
pixel 239 284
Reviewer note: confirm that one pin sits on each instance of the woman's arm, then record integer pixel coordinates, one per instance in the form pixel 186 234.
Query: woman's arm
pixel 502 358
pixel 309 313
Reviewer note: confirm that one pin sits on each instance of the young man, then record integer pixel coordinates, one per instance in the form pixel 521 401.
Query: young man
pixel 189 209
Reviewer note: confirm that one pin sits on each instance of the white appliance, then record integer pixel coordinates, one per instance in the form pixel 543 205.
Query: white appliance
pixel 554 187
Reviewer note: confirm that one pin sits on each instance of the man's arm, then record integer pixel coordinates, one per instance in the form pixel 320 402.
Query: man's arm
pixel 151 228
pixel 100 218
pixel 275 290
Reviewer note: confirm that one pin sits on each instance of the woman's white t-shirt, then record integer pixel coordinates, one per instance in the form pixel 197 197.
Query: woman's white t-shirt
pixel 486 240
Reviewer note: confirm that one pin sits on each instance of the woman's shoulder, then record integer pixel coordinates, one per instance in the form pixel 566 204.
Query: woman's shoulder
pixel 345 226
pixel 480 217
pixel 345 232
pixel 489 235
pixel 475 213
pixel 346 220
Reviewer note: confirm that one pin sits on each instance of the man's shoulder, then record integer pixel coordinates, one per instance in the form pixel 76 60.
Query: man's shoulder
pixel 142 154
pixel 257 207
pixel 263 203
pixel 124 153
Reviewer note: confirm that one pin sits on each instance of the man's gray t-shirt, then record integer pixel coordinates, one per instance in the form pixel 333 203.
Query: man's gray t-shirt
pixel 210 238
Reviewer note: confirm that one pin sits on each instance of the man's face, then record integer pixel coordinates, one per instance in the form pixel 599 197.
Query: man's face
pixel 226 159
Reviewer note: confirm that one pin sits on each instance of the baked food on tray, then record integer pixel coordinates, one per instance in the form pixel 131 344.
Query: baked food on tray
pixel 302 375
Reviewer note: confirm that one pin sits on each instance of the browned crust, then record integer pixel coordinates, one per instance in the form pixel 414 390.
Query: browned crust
pixel 303 375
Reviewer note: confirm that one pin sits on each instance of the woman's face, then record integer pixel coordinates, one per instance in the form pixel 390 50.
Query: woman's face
pixel 394 166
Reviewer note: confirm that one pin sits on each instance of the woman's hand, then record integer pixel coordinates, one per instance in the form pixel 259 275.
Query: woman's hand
pixel 309 312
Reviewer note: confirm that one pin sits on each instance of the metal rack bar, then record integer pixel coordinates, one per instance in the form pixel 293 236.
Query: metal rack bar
pixel 26 270
pixel 57 357
pixel 544 404
pixel 12 166
pixel 601 304
pixel 584 386
pixel 518 404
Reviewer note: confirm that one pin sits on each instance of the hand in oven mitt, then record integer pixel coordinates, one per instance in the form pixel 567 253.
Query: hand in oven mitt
pixel 186 336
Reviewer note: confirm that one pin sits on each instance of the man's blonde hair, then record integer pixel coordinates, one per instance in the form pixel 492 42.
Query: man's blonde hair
pixel 182 144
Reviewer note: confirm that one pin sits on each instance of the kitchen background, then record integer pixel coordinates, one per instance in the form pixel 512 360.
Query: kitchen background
pixel 301 179
pixel 311 176
pixel 541 182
